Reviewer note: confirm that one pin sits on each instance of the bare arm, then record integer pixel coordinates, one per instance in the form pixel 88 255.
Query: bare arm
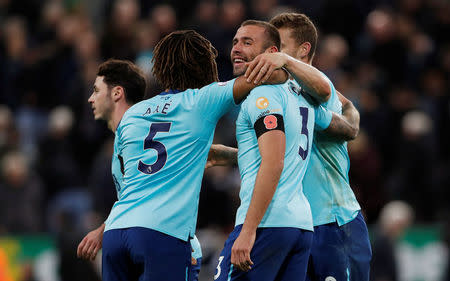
pixel 221 155
pixel 272 148
pixel 91 244
pixel 242 88
pixel 308 76
pixel 346 126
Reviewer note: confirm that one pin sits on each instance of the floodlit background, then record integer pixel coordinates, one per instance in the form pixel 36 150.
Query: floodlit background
pixel 391 58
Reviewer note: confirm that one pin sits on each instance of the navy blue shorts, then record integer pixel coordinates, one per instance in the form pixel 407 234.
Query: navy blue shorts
pixel 279 253
pixel 195 270
pixel 139 253
pixel 340 252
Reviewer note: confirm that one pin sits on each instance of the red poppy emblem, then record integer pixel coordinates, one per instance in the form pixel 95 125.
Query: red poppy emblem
pixel 270 122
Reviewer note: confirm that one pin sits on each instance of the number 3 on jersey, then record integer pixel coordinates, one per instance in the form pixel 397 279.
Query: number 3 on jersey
pixel 304 113
pixel 149 143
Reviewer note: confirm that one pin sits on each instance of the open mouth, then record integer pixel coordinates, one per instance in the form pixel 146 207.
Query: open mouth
pixel 239 61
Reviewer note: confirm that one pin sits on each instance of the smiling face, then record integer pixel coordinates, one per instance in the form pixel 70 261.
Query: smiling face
pixel 101 100
pixel 249 41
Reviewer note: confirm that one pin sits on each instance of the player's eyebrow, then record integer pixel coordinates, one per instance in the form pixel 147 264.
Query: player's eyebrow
pixel 245 38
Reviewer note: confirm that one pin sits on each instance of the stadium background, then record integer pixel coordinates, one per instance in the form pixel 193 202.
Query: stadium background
pixel 391 58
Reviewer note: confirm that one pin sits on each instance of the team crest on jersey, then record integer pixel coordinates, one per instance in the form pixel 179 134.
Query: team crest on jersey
pixel 222 83
pixel 330 278
pixel 262 102
pixel 270 121
pixel 295 88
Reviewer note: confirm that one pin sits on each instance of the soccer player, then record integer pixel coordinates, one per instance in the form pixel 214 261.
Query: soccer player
pixel 271 241
pixel 160 149
pixel 341 248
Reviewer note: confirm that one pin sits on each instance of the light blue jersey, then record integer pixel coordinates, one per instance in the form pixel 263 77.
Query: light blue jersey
pixel 326 183
pixel 160 152
pixel 298 115
pixel 196 248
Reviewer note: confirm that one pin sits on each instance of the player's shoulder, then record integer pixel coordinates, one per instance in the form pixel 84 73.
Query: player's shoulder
pixel 264 92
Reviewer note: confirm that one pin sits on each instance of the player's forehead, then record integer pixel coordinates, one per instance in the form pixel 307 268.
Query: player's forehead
pixel 286 34
pixel 253 32
pixel 99 83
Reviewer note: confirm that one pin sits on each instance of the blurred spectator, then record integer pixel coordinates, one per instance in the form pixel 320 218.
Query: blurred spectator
pixel 365 174
pixel 333 49
pixel 413 174
pixel 164 19
pixel 13 62
pixel 118 33
pixel 19 186
pixel 100 181
pixel 395 217
pixel 57 164
pixel 8 134
pixel 262 9
pixel 382 44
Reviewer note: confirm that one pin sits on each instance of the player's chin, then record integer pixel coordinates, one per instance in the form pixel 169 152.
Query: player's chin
pixel 97 116
pixel 239 69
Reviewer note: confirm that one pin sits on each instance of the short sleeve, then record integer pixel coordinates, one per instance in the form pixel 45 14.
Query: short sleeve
pixel 263 101
pixel 323 118
pixel 333 102
pixel 215 99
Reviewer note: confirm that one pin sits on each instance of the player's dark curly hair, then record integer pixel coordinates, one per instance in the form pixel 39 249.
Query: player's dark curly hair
pixel 125 74
pixel 184 60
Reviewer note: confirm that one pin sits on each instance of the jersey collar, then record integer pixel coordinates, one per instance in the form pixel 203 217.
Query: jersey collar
pixel 169 92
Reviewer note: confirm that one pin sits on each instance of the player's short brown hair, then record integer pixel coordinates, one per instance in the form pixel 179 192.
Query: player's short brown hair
pixel 303 30
pixel 125 74
pixel 272 34
pixel 184 60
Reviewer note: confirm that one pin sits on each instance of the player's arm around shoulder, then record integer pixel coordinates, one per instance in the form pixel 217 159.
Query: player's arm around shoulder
pixel 343 127
pixel 242 87
pixel 314 82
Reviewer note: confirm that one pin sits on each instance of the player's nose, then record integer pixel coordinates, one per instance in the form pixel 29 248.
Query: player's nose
pixel 91 99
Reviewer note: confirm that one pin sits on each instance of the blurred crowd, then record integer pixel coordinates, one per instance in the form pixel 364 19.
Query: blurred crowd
pixel 391 58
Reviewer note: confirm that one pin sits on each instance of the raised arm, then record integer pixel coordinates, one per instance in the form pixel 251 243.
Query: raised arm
pixel 311 79
pixel 242 87
pixel 272 148
pixel 346 126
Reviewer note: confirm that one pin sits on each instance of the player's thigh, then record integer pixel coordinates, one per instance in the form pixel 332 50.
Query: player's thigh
pixel 161 256
pixel 329 258
pixel 359 249
pixel 271 247
pixel 115 261
pixel 295 266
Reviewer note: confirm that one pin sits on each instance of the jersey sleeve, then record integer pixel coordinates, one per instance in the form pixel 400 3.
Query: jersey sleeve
pixel 323 118
pixel 333 102
pixel 264 109
pixel 215 99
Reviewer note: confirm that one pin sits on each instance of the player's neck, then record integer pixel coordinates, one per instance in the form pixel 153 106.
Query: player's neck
pixel 305 60
pixel 117 115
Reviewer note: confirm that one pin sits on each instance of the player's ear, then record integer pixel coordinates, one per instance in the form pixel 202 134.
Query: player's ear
pixel 117 93
pixel 272 49
pixel 304 49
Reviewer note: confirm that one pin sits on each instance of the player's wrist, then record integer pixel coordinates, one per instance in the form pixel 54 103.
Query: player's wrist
pixel 289 62
pixel 249 229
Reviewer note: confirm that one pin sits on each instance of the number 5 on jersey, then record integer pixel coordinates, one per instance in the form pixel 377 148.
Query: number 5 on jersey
pixel 149 143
